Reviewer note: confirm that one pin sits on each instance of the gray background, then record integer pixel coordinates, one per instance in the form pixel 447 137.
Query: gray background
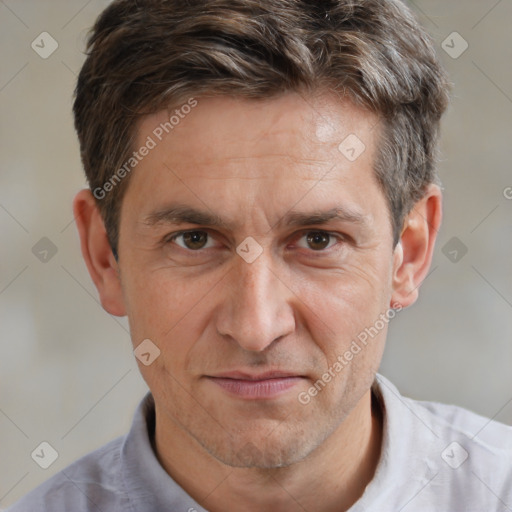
pixel 68 375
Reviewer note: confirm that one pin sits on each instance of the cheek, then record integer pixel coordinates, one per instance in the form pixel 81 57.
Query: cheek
pixel 158 302
pixel 346 327
pixel 361 288
pixel 341 306
pixel 166 311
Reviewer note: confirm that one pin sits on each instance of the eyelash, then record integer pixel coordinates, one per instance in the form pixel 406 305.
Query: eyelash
pixel 338 236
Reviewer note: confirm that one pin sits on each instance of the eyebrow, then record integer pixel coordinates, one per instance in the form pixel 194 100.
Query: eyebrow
pixel 183 214
pixel 342 214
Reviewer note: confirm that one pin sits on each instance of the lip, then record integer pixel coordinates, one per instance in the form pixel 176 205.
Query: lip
pixel 262 386
pixel 238 375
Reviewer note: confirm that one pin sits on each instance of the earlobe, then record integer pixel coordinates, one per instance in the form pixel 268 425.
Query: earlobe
pixel 413 254
pixel 97 253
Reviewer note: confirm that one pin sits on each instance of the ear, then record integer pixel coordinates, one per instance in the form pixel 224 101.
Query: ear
pixel 97 253
pixel 413 254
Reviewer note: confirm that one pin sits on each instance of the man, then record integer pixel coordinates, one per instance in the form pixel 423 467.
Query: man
pixel 263 201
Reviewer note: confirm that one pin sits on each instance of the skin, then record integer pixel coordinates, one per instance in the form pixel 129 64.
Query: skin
pixel 295 308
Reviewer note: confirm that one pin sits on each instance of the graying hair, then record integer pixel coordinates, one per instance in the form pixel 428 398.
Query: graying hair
pixel 147 55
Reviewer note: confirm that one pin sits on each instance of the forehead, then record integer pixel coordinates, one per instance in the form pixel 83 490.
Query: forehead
pixel 293 127
pixel 227 154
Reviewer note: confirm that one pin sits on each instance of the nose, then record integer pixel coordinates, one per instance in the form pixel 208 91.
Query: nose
pixel 257 306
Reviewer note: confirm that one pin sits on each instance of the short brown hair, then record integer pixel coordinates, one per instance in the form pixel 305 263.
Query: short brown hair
pixel 148 55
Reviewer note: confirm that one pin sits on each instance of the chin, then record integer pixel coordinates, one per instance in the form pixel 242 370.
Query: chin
pixel 263 450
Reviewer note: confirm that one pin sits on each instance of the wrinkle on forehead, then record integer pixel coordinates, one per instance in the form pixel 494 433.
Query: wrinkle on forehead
pixel 248 168
pixel 231 128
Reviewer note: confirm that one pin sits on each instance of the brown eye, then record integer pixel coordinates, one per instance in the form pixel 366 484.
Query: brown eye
pixel 318 240
pixel 193 240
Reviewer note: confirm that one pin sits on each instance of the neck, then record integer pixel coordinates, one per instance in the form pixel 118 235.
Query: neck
pixel 330 479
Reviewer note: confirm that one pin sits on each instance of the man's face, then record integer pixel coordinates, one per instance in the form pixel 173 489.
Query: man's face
pixel 222 321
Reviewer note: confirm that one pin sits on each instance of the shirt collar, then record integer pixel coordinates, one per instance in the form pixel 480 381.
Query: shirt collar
pixel 397 465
